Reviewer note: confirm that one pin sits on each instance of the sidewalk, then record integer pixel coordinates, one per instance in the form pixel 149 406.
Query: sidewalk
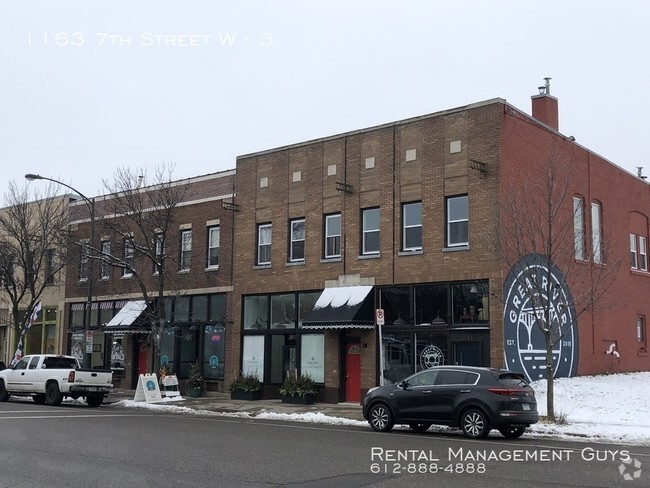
pixel 221 402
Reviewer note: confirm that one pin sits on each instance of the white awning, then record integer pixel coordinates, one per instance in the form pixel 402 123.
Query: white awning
pixel 128 314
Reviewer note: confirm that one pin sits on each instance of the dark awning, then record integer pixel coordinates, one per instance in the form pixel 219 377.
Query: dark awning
pixel 125 318
pixel 342 308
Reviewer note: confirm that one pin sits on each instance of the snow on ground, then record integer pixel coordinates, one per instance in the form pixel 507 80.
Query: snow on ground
pixel 610 408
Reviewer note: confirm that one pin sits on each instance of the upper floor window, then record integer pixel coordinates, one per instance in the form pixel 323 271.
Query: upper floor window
pixel 643 254
pixel 105 269
pixel 186 250
pixel 578 228
pixel 49 267
pixel 412 226
pixel 264 237
pixel 84 262
pixel 129 257
pixel 159 246
pixel 457 221
pixel 638 252
pixel 214 238
pixel 596 232
pixel 297 240
pixel 370 237
pixel 333 236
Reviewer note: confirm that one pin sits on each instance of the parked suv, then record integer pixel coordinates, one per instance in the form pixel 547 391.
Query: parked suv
pixel 475 399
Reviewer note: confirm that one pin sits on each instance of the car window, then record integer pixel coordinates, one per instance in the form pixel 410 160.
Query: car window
pixel 424 378
pixel 33 363
pixel 59 363
pixel 512 379
pixel 22 364
pixel 454 378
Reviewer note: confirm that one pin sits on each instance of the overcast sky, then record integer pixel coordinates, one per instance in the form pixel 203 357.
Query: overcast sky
pixel 87 86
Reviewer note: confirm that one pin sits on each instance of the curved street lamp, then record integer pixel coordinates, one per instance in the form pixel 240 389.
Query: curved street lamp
pixel 89 302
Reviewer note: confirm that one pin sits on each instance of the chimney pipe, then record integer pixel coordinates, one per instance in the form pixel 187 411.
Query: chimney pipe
pixel 545 107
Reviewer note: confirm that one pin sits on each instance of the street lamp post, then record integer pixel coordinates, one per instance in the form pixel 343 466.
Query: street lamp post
pixel 89 302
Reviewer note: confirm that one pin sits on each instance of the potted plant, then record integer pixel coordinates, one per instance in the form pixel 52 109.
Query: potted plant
pixel 194 381
pixel 298 389
pixel 247 387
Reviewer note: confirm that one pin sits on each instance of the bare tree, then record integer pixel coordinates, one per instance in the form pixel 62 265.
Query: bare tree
pixel 556 274
pixel 33 245
pixel 141 214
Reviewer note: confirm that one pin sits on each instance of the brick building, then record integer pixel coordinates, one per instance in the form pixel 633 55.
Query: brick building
pixel 197 244
pixel 412 218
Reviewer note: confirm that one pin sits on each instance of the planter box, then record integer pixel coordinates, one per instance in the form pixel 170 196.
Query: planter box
pixel 195 392
pixel 301 400
pixel 246 395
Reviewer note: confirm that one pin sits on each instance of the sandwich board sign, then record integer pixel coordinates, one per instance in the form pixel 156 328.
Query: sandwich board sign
pixel 170 385
pixel 147 389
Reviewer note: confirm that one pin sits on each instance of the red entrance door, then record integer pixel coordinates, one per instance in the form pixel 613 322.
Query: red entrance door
pixel 142 360
pixel 353 373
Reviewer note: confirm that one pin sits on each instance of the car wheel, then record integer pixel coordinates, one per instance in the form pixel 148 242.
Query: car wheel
pixel 380 418
pixel 53 395
pixel 511 432
pixel 474 424
pixel 421 427
pixel 95 400
pixel 39 398
pixel 4 394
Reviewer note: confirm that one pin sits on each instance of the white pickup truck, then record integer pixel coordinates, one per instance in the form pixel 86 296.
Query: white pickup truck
pixel 48 378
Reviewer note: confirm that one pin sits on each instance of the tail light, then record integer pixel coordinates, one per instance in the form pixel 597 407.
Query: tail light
pixel 71 377
pixel 510 392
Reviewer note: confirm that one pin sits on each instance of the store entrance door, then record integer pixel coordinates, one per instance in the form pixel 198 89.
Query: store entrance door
pixel 142 360
pixel 353 373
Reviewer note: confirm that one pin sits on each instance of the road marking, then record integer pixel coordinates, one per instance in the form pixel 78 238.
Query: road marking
pixel 18 417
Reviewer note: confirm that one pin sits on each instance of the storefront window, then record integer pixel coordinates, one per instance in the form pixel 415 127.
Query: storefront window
pixel 306 303
pixel 34 340
pixel 470 301
pixel 253 356
pixel 431 350
pixel 77 319
pixel 214 351
pixel 167 348
pixel 217 308
pixel 396 350
pixel 182 309
pixel 312 356
pixel 50 339
pixel 283 356
pixel 431 304
pixel 256 312
pixel 105 315
pixel 117 358
pixel 94 314
pixel 396 302
pixel 200 308
pixel 188 349
pixel 283 311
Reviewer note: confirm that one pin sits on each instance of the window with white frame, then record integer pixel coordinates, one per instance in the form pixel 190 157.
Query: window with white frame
pixel 633 256
pixel 214 238
pixel 643 254
pixel 105 269
pixel 333 236
pixel 640 330
pixel 578 227
pixel 412 226
pixel 264 238
pixel 370 238
pixel 596 232
pixel 297 240
pixel 129 257
pixel 186 250
pixel 457 221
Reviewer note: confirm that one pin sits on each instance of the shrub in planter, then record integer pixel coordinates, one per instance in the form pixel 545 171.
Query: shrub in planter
pixel 298 389
pixel 194 381
pixel 246 387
